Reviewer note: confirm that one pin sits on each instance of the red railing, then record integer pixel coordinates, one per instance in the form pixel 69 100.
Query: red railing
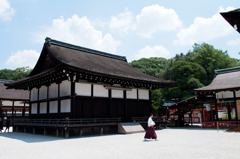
pixel 220 124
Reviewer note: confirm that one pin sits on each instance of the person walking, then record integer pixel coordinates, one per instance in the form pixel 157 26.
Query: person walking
pixel 150 133
pixel 7 125
pixel 1 124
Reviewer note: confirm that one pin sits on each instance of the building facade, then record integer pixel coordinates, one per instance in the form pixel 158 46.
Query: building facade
pixel 70 81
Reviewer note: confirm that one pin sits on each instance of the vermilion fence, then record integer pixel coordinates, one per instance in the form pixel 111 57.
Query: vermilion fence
pixel 220 124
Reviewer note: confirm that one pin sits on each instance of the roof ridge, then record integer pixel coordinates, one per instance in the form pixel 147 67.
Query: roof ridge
pixel 226 70
pixel 50 41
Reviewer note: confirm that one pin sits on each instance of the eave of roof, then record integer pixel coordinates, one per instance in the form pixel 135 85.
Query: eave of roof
pixel 233 18
pixel 226 79
pixel 12 94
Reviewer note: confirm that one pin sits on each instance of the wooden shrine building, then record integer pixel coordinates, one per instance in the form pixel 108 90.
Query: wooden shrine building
pixel 74 82
pixel 13 103
pixel 221 98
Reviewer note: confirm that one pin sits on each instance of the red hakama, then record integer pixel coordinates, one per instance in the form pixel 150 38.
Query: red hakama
pixel 150 133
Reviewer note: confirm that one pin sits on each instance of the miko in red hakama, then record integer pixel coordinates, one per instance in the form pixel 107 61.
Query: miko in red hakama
pixel 150 133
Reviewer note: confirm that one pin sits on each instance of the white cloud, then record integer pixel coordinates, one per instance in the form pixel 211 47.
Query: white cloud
pixel 81 32
pixel 204 29
pixel 23 58
pixel 155 51
pixel 156 18
pixel 123 22
pixel 235 42
pixel 6 11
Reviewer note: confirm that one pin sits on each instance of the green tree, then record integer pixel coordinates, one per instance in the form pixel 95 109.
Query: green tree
pixel 153 66
pixel 211 59
pixel 188 76
pixel 16 74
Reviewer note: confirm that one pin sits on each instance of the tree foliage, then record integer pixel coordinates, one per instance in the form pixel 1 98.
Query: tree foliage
pixel 192 70
pixel 153 66
pixel 16 74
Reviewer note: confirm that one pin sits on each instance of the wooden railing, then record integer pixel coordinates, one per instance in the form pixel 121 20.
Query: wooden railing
pixel 66 122
pixel 220 124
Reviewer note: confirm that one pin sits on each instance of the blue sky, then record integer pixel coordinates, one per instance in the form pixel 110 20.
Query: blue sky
pixel 131 28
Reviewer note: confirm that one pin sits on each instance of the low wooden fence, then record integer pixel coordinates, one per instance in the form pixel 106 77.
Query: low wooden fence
pixel 220 124
pixel 66 122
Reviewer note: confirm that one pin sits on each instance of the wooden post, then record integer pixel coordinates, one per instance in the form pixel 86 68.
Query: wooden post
pixel 92 102
pixel 12 108
pixel 81 132
pixel 72 80
pixel 57 132
pixel 216 108
pixel 59 102
pixel 101 130
pixel 38 103
pixel 125 106
pixel 235 105
pixel 44 131
pixel 47 100
pixel 34 130
pixel 110 103
pixel 66 133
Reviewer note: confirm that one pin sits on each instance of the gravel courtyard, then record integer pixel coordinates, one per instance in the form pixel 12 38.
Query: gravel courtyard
pixel 173 143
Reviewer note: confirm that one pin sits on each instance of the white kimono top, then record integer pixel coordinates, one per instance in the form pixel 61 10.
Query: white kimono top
pixel 150 122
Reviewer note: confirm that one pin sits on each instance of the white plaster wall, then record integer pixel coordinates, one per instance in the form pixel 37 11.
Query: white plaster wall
pixel 53 90
pixel 132 94
pixel 34 108
pixel 238 93
pixel 53 107
pixel 34 94
pixel 100 91
pixel 83 89
pixel 43 93
pixel 65 106
pixel 16 103
pixel 19 103
pixel 224 94
pixel 7 103
pixel 143 94
pixel 117 93
pixel 43 108
pixel 65 88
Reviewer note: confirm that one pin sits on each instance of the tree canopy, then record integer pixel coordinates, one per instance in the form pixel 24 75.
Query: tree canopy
pixel 192 70
pixel 16 74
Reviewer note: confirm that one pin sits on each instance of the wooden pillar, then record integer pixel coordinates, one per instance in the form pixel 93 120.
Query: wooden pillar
pixel 235 105
pixel 150 100
pixel 57 132
pixel 216 108
pixel 127 118
pixel 13 108
pixel 47 100
pixel 59 102
pixel 72 114
pixel 81 132
pixel 34 130
pixel 66 133
pixel 38 103
pixel 44 131
pixel 24 109
pixel 110 103
pixel 92 102
pixel 101 130
pixel 30 104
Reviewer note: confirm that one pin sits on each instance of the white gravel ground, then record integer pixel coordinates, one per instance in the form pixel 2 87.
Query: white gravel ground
pixel 173 143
